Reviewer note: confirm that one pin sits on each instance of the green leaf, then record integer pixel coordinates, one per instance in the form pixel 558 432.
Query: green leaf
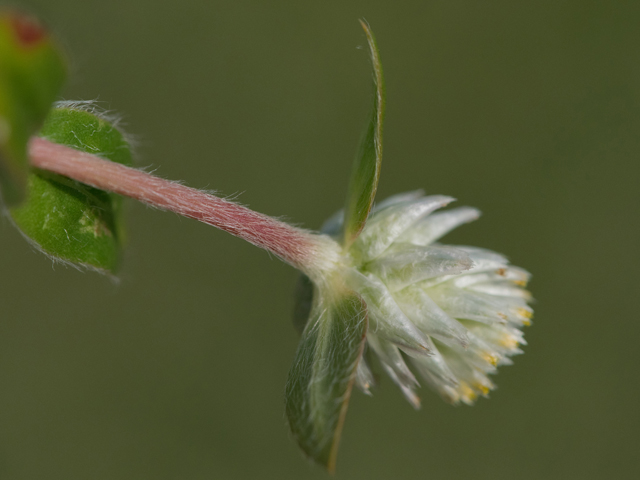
pixel 68 220
pixel 323 372
pixel 366 168
pixel 32 71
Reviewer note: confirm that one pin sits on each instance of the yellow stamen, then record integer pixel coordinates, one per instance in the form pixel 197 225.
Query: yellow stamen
pixel 523 312
pixel 490 358
pixel 483 388
pixel 467 393
pixel 509 341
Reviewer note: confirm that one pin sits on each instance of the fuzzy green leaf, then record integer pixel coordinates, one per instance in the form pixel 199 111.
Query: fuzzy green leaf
pixel 321 378
pixel 32 71
pixel 67 220
pixel 366 168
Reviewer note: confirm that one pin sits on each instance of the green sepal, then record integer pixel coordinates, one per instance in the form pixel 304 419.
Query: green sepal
pixel 323 372
pixel 68 220
pixel 366 168
pixel 32 71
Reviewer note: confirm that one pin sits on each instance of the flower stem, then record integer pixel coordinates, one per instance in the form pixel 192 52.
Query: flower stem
pixel 300 248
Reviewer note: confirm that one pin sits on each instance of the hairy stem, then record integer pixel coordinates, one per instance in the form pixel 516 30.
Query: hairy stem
pixel 304 250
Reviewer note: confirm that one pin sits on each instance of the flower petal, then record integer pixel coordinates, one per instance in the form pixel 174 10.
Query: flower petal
pixel 470 305
pixel 388 224
pixel 364 377
pixel 431 228
pixel 483 259
pixel 411 264
pixel 472 382
pixel 479 354
pixel 395 366
pixel 397 198
pixel 435 371
pixel 509 275
pixel 502 289
pixel 430 318
pixel 385 316
pixel 504 339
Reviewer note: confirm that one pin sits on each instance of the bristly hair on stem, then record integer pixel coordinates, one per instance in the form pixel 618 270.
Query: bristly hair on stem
pixel 307 251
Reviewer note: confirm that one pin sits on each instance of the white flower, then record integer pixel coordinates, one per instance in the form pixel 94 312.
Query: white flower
pixel 454 313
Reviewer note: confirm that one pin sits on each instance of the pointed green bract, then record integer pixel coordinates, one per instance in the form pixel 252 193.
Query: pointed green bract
pixel 32 71
pixel 67 220
pixel 321 378
pixel 366 168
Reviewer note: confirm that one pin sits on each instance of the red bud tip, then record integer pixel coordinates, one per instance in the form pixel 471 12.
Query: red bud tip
pixel 28 30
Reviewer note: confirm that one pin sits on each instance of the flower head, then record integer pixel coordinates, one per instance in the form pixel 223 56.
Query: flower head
pixel 446 314
pixel 454 313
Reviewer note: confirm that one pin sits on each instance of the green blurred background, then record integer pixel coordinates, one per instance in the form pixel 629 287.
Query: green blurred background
pixel 528 110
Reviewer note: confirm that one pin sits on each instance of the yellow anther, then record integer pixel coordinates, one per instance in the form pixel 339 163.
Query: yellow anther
pixel 490 358
pixel 520 283
pixel 467 393
pixel 509 341
pixel 483 388
pixel 523 312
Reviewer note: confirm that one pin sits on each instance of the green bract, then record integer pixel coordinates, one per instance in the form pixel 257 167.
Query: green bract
pixel 68 220
pixel 323 372
pixel 366 169
pixel 32 72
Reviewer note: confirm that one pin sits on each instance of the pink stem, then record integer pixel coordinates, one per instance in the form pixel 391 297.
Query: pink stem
pixel 293 245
